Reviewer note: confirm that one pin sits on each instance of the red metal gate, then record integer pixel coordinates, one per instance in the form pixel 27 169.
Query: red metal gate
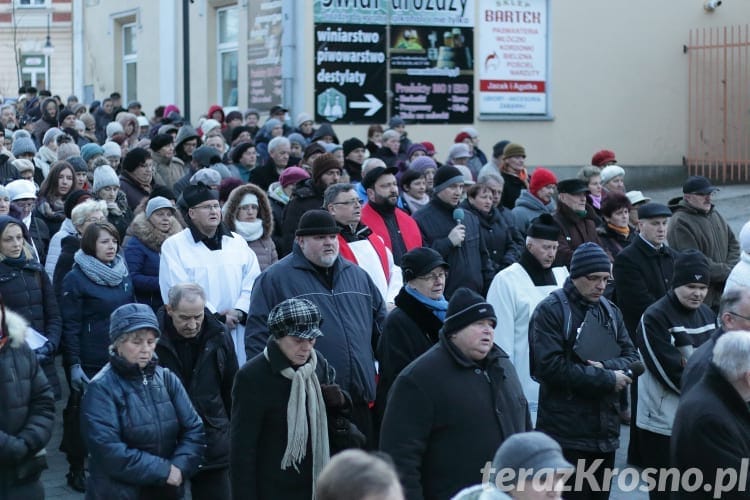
pixel 719 104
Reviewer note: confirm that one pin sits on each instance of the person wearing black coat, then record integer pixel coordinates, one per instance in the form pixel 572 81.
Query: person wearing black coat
pixel 198 349
pixel 143 435
pixel 308 195
pixel 712 425
pixel 413 326
pixel 461 244
pixel 289 378
pixel 451 408
pixel 503 242
pixel 27 412
pixel 26 289
pixel 578 398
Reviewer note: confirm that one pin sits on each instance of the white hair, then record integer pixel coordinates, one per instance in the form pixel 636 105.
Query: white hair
pixel 732 354
pixel 278 141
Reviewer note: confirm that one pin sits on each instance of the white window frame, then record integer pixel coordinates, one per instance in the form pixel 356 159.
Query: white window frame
pixel 33 4
pixel 221 49
pixel 128 59
pixel 34 72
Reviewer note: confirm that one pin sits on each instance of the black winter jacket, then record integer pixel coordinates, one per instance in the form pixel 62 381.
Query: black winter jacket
pixel 259 430
pixel 307 196
pixel 446 417
pixel 28 292
pixel 27 406
pixel 85 308
pixel 211 379
pixel 136 423
pixel 711 431
pixel 408 332
pixel 353 310
pixel 470 263
pixel 504 242
pixel 578 405
pixel 642 276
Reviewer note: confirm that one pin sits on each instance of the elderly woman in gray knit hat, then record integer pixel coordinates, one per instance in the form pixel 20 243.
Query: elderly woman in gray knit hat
pixel 282 399
pixel 142 432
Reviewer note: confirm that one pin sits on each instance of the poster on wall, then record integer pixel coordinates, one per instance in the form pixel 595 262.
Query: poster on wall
pixel 350 61
pixel 512 57
pixel 432 61
pixel 264 54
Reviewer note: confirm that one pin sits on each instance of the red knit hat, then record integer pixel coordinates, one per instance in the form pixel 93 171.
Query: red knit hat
pixel 539 178
pixel 602 157
pixel 461 137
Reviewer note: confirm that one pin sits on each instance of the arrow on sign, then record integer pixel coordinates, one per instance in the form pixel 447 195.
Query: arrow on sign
pixel 372 105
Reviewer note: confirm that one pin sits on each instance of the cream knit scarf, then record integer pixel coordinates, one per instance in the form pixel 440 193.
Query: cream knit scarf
pixel 305 397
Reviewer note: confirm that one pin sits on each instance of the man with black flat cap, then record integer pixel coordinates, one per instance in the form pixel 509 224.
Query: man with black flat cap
pixel 697 224
pixel 576 219
pixel 515 292
pixel 208 254
pixel 351 306
pixel 643 274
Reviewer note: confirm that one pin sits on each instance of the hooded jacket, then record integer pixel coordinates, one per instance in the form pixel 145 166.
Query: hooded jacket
pixel 167 171
pixel 264 247
pixel 27 406
pixel 126 119
pixel 528 207
pixel 141 250
pixel 711 234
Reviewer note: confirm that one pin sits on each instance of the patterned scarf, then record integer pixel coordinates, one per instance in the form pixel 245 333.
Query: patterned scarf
pixel 99 272
pixel 305 395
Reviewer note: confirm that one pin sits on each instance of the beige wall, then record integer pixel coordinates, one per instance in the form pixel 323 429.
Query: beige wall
pixel 617 79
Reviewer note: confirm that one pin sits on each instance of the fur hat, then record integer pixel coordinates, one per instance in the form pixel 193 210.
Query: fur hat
pixel 161 140
pixel 135 158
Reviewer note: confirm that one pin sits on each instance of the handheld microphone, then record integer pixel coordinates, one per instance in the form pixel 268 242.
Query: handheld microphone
pixel 458 215
pixel 636 369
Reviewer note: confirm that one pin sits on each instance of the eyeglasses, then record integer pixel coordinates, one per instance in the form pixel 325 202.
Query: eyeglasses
pixel 738 315
pixel 213 206
pixel 349 203
pixel 434 277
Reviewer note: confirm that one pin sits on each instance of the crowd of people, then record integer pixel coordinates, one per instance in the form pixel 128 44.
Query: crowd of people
pixel 243 306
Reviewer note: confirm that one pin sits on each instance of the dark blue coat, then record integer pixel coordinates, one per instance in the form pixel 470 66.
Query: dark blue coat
pixel 28 292
pixel 143 264
pixel 86 307
pixel 136 423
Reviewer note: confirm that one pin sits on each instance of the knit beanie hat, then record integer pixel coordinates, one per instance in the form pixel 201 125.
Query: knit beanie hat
pixel 23 145
pixel 497 149
pixel 206 155
pixel 88 120
pixel 539 178
pixel 292 175
pixel 295 138
pixel 690 266
pixel 414 148
pixel 610 172
pixel 105 176
pixel 512 149
pixel 429 147
pixel 77 163
pixel 461 137
pixel 302 118
pixel 464 308
pixel 131 317
pixel 195 194
pixel 323 164
pixel 352 144
pixel 23 165
pixel 63 115
pixel 587 259
pixel 114 128
pixel 50 135
pixel 90 150
pixel 311 149
pixel 112 149
pixel 161 140
pixel 745 238
pixel 602 157
pixel 446 176
pixel 208 125
pixel 396 121
pixel 422 164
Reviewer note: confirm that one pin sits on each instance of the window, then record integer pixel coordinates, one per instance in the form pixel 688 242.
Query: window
pixel 31 3
pixel 35 71
pixel 227 29
pixel 129 63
